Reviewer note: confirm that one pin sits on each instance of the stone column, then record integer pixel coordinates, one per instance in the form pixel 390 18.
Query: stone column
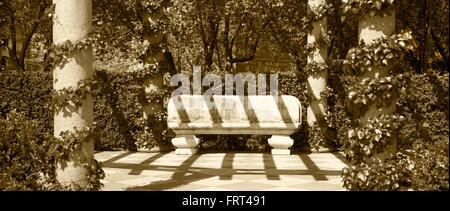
pixel 316 82
pixel 369 30
pixel 155 56
pixel 72 21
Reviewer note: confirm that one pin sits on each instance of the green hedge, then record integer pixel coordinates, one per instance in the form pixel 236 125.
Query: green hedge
pixel 116 112
pixel 28 93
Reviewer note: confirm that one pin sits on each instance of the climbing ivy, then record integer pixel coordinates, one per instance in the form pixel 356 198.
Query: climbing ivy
pixel 75 95
pixel 314 68
pixel 381 53
pixel 374 137
pixel 382 92
pixel 317 14
pixel 371 145
pixel 60 52
pixel 368 8
pixel 68 142
pixel 318 134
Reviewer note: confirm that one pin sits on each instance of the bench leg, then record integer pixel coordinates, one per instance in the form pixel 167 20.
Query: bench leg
pixel 281 144
pixel 186 144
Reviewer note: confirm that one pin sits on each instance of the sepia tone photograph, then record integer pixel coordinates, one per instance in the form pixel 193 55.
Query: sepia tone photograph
pixel 234 97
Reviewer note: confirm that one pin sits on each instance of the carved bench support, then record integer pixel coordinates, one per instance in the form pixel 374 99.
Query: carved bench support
pixel 186 144
pixel 281 144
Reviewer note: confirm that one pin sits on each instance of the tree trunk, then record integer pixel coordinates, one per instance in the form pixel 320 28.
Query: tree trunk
pixel 73 22
pixel 426 37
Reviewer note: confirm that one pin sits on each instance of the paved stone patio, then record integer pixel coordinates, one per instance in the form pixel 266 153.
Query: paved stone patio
pixel 231 171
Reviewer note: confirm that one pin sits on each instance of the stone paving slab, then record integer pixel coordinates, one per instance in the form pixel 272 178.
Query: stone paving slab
pixel 231 171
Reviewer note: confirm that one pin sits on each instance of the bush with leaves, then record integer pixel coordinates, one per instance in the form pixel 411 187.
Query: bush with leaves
pixel 28 157
pixel 425 134
pixel 429 165
pixel 24 160
pixel 425 108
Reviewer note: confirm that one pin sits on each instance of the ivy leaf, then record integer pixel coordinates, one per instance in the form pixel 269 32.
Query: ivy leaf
pixel 360 134
pixel 351 133
pixel 377 137
pixel 390 56
pixel 361 176
pixel 409 47
pixel 351 94
pixel 364 101
pixel 378 4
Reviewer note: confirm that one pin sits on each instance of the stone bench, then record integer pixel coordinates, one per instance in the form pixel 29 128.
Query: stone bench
pixel 190 115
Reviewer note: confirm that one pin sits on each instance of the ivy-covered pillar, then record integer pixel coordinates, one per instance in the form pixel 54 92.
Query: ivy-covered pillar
pixel 72 22
pixel 159 65
pixel 377 78
pixel 370 31
pixel 316 69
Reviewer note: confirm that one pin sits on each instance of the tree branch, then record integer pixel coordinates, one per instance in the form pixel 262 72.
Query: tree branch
pixel 253 48
pixel 30 35
pixel 440 48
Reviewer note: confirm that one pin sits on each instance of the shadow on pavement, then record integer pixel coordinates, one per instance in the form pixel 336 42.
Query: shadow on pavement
pixel 186 173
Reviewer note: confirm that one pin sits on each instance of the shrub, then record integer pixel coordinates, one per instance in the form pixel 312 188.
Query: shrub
pixel 28 157
pixel 118 111
pixel 376 176
pixel 24 160
pixel 430 167
pixel 425 106
pixel 339 120
pixel 256 143
pixel 424 166
pixel 425 134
